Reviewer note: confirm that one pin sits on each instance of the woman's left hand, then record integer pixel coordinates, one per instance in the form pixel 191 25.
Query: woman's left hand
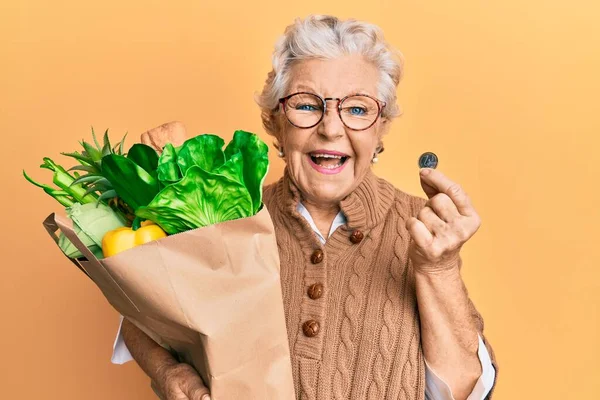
pixel 444 224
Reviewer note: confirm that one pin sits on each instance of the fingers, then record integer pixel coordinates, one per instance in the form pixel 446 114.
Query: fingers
pixel 198 393
pixel 194 388
pixel 419 232
pixel 430 232
pixel 444 207
pixel 433 182
pixel 430 219
pixel 199 396
pixel 428 246
pixel 429 189
pixel 182 382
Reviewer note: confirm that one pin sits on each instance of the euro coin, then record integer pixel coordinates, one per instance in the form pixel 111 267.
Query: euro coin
pixel 428 160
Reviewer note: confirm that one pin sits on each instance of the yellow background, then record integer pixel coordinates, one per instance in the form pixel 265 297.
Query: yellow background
pixel 505 93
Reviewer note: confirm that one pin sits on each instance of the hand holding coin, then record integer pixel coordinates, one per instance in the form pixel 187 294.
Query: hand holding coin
pixel 443 225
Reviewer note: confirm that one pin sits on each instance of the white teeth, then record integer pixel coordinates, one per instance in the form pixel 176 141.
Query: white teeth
pixel 329 156
pixel 330 166
pixel 326 156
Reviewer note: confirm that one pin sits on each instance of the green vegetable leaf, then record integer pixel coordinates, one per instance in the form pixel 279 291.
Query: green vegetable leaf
pixel 205 151
pixel 109 194
pixel 233 168
pixel 87 178
pixel 168 169
pixel 120 145
pixel 90 150
pixel 199 199
pixel 144 156
pixel 103 185
pixel 86 168
pixel 79 157
pixel 106 149
pixel 256 162
pixel 95 139
pixel 131 182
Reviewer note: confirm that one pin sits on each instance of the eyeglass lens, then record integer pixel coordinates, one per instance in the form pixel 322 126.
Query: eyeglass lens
pixel 357 112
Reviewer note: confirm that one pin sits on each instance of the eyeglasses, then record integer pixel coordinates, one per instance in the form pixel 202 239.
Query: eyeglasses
pixel 357 111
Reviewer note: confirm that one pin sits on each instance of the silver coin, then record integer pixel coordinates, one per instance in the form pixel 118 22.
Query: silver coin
pixel 428 160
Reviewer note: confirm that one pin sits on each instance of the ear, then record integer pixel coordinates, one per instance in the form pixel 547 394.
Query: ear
pixel 278 128
pixel 279 141
pixel 384 128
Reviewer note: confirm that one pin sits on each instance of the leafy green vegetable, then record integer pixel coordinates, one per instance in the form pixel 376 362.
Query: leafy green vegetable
pixel 205 151
pixel 131 182
pixel 144 156
pixel 233 169
pixel 200 199
pixel 204 185
pixel 256 163
pixel 168 169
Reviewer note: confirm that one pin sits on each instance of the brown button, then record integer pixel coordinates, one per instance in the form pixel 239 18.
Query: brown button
pixel 317 256
pixel 356 237
pixel 310 328
pixel 315 291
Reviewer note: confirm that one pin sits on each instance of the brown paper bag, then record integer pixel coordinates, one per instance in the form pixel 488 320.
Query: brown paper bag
pixel 211 295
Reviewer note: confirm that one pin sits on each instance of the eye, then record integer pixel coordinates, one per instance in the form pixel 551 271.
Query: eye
pixel 306 107
pixel 355 110
pixel 358 110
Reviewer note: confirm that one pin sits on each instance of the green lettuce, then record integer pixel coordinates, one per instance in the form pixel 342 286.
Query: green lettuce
pixel 202 184
pixel 204 151
pixel 168 169
pixel 254 153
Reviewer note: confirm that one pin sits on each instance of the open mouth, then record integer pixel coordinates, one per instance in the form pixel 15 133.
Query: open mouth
pixel 328 160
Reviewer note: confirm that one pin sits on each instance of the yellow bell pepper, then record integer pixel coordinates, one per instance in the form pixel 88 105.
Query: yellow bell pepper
pixel 125 238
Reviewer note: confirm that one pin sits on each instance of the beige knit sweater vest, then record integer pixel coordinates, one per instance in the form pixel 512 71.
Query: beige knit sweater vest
pixel 350 304
pixel 367 341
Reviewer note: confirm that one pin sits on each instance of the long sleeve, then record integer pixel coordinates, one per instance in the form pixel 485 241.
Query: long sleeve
pixel 121 353
pixel 437 389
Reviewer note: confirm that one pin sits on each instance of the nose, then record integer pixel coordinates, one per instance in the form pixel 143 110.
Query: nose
pixel 331 125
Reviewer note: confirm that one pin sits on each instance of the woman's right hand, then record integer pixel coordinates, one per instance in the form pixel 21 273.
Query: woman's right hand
pixel 181 382
pixel 171 379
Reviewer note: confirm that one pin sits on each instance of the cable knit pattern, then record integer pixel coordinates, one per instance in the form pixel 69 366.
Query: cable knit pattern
pixel 368 345
pixel 392 315
pixel 350 329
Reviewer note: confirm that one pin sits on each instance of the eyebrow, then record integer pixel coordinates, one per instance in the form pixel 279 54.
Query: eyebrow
pixel 302 87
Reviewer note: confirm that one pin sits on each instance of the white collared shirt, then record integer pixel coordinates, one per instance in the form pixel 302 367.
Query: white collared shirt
pixel 435 387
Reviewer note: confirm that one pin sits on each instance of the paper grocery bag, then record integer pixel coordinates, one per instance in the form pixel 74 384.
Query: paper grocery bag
pixel 212 295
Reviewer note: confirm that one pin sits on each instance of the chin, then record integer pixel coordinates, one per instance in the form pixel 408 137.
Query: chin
pixel 330 193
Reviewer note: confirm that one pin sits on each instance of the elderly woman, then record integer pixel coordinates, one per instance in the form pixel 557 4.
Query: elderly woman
pixel 374 301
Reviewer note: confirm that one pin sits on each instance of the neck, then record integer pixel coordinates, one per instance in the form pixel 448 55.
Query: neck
pixel 322 214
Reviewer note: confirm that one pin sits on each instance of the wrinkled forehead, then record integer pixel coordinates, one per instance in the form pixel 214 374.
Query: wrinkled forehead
pixel 336 77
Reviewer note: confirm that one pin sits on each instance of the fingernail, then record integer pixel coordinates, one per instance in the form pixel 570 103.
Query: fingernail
pixel 425 171
pixel 206 397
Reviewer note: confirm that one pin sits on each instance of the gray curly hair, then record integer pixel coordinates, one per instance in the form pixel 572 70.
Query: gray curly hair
pixel 327 37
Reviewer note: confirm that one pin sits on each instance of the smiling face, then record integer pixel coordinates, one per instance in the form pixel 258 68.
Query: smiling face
pixel 328 161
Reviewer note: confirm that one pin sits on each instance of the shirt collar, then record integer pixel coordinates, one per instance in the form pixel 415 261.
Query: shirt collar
pixel 339 220
pixel 364 208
